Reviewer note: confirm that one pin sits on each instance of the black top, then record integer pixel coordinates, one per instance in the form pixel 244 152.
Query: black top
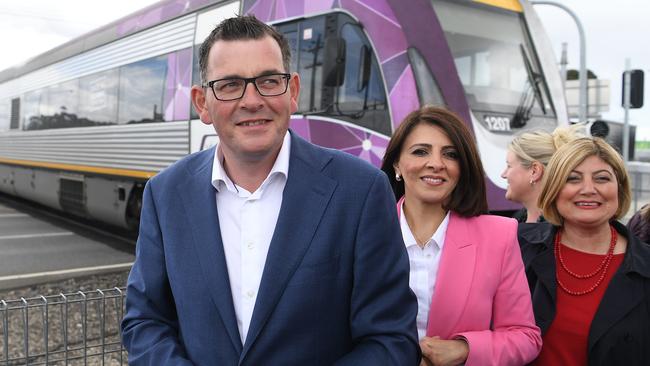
pixel 522 215
pixel 639 226
pixel 620 330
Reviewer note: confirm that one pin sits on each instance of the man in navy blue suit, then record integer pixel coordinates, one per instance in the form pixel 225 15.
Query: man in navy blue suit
pixel 266 250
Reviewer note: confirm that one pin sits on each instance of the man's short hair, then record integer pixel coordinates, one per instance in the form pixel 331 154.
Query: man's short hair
pixel 242 27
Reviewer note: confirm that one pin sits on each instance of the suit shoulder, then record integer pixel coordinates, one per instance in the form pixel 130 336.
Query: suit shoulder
pixel 494 223
pixel 190 163
pixel 347 164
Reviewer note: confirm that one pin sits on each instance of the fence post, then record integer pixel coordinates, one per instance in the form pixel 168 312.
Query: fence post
pixel 25 329
pixel 64 327
pixel 84 326
pixel 46 329
pixel 119 317
pixel 5 328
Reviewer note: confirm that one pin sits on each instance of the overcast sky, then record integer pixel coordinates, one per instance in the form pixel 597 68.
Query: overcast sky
pixel 614 31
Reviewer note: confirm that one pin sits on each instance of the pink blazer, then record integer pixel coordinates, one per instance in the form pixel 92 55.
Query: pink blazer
pixel 482 294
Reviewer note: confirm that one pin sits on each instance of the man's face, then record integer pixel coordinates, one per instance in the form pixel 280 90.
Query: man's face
pixel 252 128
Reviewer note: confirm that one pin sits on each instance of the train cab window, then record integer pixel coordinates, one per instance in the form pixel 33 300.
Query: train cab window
pixel 141 91
pixel 495 59
pixel 358 96
pixel 98 99
pixel 361 97
pixel 309 55
pixel 428 89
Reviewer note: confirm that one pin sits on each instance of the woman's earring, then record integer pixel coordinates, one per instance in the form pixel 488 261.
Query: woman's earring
pixel 397 177
pixel 532 182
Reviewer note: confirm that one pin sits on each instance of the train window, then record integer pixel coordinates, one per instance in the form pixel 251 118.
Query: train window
pixel 290 32
pixel 15 114
pixel 59 106
pixel 494 58
pixel 141 91
pixel 31 110
pixel 428 89
pixel 311 42
pixel 4 115
pixel 98 99
pixel 361 98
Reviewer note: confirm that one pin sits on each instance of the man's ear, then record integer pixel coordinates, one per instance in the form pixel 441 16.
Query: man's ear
pixel 199 102
pixel 294 90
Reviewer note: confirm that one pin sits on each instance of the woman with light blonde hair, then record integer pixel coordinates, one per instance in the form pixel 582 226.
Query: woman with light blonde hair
pixel 589 276
pixel 526 160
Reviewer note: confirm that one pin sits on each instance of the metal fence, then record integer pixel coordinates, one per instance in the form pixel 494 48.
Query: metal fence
pixel 81 328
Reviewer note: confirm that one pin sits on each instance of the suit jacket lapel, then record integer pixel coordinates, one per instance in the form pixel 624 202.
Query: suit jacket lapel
pixel 454 279
pixel 625 291
pixel 199 203
pixel 305 198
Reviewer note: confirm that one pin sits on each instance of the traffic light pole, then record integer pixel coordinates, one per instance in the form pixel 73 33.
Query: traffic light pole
pixel 627 88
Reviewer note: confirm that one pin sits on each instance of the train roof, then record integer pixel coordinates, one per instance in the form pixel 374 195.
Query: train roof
pixel 140 20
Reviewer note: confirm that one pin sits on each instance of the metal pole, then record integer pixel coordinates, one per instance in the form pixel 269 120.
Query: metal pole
pixel 582 114
pixel 626 105
pixel 563 62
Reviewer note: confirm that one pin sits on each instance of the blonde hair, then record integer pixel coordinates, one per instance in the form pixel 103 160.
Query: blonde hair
pixel 567 158
pixel 540 145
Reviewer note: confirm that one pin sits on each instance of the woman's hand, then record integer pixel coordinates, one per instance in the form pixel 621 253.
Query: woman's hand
pixel 440 352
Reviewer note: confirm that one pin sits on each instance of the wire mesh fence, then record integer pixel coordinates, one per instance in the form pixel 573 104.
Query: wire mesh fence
pixel 81 328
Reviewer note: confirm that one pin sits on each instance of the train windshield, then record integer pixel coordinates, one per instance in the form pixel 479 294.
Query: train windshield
pixel 495 60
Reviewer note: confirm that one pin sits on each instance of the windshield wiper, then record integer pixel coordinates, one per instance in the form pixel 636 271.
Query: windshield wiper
pixel 530 94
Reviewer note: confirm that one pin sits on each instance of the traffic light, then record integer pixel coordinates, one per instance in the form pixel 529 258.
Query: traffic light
pixel 636 89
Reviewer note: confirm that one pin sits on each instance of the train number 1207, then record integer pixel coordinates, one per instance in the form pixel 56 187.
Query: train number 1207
pixel 495 123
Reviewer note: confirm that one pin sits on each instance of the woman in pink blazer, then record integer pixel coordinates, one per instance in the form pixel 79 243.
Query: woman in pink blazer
pixel 474 305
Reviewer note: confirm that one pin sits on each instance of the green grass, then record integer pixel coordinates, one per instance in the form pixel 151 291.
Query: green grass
pixel 644 145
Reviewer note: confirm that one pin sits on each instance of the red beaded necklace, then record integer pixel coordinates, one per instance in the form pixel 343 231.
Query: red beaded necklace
pixel 602 268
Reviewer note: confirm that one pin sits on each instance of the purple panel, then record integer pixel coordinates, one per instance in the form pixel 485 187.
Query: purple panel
pixel 385 33
pixel 360 134
pixel 262 10
pixel 301 127
pixel 157 13
pixel 497 198
pixel 356 151
pixel 403 97
pixel 381 7
pixel 394 68
pixel 423 31
pixel 375 160
pixel 170 87
pixel 315 6
pixel 332 135
pixel 182 96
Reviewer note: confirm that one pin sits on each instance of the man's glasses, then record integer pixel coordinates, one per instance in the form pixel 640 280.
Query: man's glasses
pixel 233 88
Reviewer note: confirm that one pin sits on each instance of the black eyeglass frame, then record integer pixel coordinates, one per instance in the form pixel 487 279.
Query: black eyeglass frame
pixel 285 76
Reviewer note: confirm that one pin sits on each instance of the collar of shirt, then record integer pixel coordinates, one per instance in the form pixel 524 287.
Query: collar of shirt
pixel 438 237
pixel 221 179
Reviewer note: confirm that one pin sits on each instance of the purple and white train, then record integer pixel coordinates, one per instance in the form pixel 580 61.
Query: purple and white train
pixel 83 126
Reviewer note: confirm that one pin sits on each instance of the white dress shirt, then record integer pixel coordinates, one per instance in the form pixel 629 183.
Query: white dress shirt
pixel 247 222
pixel 424 263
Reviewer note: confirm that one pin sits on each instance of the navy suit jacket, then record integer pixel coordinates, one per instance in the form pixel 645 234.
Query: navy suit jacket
pixel 334 289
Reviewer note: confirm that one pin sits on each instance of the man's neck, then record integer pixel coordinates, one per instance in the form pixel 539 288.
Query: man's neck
pixel 249 174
